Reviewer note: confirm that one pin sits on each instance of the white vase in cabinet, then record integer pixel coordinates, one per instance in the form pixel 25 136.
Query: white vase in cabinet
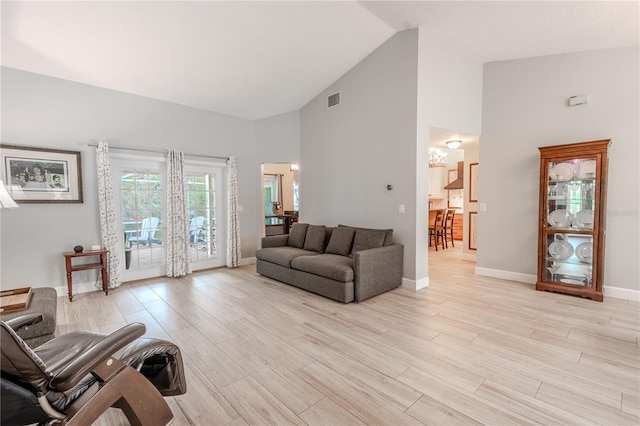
pixel 436 182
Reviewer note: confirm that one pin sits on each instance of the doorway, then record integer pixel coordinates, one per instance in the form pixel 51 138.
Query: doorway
pixel 448 165
pixel 280 197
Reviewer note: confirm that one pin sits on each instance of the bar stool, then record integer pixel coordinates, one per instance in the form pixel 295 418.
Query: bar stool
pixel 436 229
pixel 448 227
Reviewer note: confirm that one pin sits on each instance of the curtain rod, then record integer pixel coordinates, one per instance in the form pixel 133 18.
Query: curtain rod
pixel 162 152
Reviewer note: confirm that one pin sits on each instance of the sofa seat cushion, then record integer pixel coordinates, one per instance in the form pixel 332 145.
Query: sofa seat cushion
pixel 282 255
pixel 338 268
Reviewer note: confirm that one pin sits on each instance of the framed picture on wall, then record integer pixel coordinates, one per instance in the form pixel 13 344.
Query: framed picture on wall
pixel 41 175
pixel 473 182
pixel 473 230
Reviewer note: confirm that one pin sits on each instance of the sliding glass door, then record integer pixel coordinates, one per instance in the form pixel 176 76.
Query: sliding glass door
pixel 140 198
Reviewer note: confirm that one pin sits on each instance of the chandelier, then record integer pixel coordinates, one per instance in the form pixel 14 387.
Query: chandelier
pixel 437 157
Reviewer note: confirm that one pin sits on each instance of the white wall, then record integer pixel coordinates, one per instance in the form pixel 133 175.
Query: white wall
pixel 449 97
pixel 350 152
pixel 471 154
pixel 48 112
pixel 379 135
pixel 277 141
pixel 525 107
pixel 450 85
pixel 278 138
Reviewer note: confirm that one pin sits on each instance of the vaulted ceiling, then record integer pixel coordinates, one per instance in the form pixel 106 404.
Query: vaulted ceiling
pixel 258 59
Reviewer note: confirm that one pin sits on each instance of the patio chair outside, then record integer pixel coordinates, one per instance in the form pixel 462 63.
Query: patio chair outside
pixel 147 232
pixel 197 233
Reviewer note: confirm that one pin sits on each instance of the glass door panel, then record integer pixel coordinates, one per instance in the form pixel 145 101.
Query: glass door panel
pixel 141 200
pixel 205 214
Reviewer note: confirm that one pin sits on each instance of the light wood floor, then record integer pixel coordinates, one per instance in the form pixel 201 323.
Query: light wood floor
pixel 466 350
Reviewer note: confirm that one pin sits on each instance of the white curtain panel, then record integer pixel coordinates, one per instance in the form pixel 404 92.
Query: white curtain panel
pixel 233 216
pixel 177 227
pixel 108 225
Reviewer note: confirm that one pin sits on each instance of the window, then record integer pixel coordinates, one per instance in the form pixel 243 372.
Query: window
pixel 271 193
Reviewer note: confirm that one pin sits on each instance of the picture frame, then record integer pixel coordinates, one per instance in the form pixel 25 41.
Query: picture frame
pixel 41 175
pixel 473 230
pixel 473 182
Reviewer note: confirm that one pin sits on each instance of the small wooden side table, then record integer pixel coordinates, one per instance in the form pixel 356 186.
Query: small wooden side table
pixel 102 265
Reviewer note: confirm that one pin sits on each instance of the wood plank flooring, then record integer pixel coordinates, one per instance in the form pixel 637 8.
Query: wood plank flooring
pixel 466 350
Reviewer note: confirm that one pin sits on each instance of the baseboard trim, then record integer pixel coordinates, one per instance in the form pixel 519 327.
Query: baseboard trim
pixel 621 293
pixel 469 257
pixel 247 261
pixel 609 291
pixel 415 285
pixel 506 275
pixel 87 287
pixel 78 288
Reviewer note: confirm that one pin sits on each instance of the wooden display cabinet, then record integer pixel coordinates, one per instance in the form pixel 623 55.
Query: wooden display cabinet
pixel 572 216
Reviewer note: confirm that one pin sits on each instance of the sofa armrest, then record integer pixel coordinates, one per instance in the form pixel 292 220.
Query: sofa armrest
pixel 274 241
pixel 377 270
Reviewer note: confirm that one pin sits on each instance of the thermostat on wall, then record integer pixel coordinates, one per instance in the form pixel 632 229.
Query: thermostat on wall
pixel 578 100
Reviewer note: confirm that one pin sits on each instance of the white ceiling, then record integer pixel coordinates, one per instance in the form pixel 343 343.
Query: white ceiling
pixel 259 59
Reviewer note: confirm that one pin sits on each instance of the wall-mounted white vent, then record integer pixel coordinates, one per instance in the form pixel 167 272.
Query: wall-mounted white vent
pixel 578 100
pixel 334 100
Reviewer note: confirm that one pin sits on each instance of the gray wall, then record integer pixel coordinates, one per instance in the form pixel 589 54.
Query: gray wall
pixel 350 152
pixel 48 112
pixel 525 107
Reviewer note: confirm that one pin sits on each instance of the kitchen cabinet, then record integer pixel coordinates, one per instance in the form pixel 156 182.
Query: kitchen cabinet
pixel 437 182
pixel 457 226
pixel 571 219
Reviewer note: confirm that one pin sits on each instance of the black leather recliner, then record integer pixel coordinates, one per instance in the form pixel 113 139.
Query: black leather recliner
pixel 73 379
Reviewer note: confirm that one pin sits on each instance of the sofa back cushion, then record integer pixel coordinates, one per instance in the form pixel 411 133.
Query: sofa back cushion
pixel 367 239
pixel 314 240
pixel 341 241
pixel 388 233
pixel 297 235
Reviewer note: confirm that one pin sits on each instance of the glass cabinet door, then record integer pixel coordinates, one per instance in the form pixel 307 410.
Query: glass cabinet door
pixel 571 194
pixel 569 259
pixel 570 206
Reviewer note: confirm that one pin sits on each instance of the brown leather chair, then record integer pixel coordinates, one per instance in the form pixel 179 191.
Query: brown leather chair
pixel 436 228
pixel 448 227
pixel 73 379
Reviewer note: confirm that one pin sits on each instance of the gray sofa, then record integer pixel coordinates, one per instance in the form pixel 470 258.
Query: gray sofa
pixel 343 263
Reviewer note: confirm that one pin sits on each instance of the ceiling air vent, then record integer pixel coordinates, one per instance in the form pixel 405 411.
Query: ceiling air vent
pixel 334 100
